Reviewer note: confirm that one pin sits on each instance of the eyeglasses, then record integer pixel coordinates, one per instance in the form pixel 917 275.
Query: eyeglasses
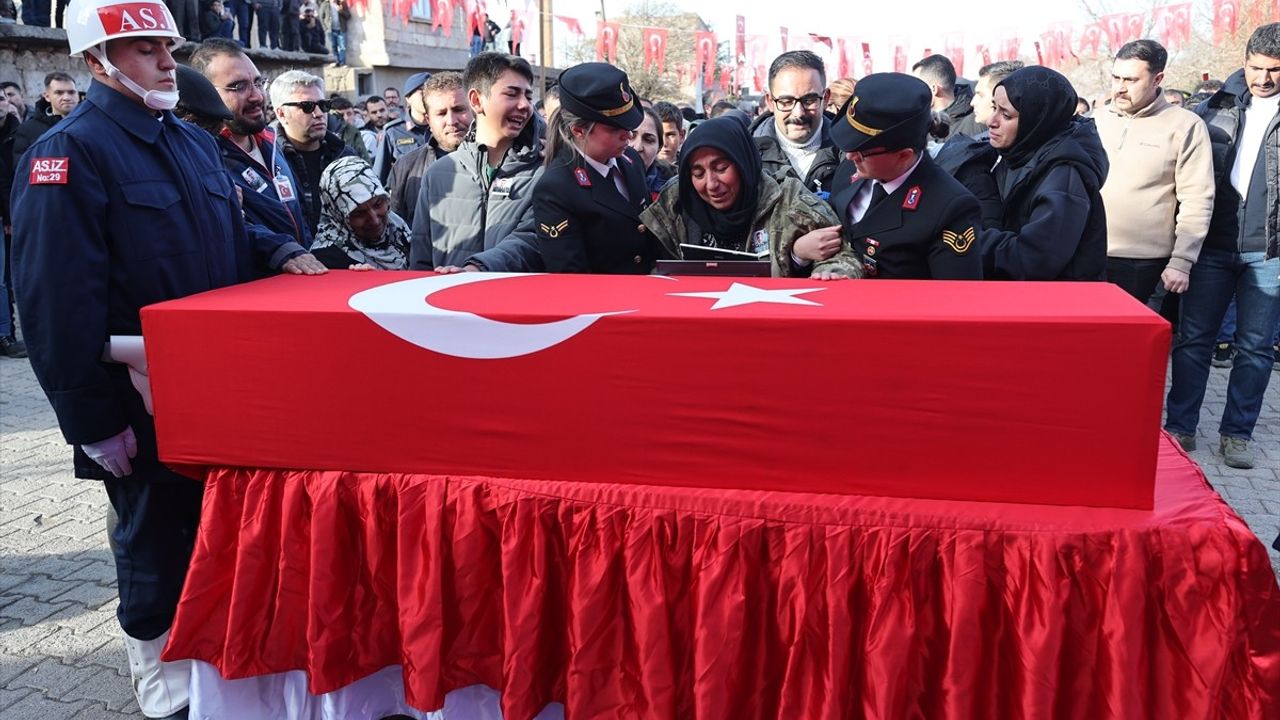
pixel 786 102
pixel 243 86
pixel 863 154
pixel 309 106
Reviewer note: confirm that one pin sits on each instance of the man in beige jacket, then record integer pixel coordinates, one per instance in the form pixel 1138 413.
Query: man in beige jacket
pixel 1159 191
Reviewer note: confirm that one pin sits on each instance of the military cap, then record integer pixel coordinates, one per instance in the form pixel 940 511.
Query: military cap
pixel 886 110
pixel 198 96
pixel 415 83
pixel 598 92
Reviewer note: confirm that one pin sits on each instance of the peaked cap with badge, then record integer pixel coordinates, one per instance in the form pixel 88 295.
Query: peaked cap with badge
pixel 601 93
pixel 886 110
pixel 587 211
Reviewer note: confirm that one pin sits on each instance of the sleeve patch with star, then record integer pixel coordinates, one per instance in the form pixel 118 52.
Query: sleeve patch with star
pixel 553 231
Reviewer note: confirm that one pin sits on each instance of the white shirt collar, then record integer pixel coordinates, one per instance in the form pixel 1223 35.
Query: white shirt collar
pixel 892 186
pixel 602 168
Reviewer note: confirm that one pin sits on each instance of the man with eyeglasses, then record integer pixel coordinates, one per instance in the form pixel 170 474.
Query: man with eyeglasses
pixel 794 136
pixel 269 192
pixel 906 217
pixel 303 135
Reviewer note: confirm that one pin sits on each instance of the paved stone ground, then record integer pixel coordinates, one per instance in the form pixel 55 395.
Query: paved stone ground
pixel 60 652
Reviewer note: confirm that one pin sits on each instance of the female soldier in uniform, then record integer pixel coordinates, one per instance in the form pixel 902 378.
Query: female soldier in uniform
pixel 587 203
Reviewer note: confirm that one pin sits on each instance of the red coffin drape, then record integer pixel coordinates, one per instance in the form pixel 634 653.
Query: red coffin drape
pixel 645 602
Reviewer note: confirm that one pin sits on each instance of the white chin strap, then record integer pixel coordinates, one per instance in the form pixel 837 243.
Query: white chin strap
pixel 154 99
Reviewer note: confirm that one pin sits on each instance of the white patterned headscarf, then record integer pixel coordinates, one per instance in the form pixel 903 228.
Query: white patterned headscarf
pixel 345 185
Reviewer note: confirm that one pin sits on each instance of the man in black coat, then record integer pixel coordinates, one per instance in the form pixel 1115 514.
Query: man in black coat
pixel 949 93
pixel 794 137
pixel 303 136
pixel 905 217
pixel 60 97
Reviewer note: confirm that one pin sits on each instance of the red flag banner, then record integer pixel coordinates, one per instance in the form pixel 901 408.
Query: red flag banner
pixel 784 39
pixel 866 59
pixel 844 68
pixel 899 55
pixel 1226 19
pixel 954 50
pixel 1121 28
pixel 704 55
pixel 1091 39
pixel 1171 25
pixel 655 48
pixel 440 10
pixel 1039 54
pixel 984 54
pixel 475 16
pixel 758 59
pixel 726 79
pixel 571 24
pixel 1055 46
pixel 1010 48
pixel 740 40
pixel 822 39
pixel 607 42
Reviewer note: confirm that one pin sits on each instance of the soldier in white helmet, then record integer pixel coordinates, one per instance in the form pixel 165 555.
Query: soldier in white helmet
pixel 119 206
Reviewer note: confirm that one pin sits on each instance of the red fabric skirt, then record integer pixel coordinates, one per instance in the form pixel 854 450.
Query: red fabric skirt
pixel 654 602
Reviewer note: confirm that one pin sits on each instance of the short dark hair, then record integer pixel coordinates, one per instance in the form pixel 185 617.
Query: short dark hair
pixel 339 103
pixel 800 59
pixel 373 99
pixel 1000 70
pixel 10 84
pixel 59 76
pixel 668 113
pixel 211 48
pixel 395 90
pixel 483 70
pixel 1264 41
pixel 1148 51
pixel 938 69
pixel 721 107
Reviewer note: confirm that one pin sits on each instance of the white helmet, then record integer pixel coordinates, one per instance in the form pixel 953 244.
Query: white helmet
pixel 93 22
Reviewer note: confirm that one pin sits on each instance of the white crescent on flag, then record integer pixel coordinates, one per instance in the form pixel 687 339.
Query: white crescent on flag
pixel 404 309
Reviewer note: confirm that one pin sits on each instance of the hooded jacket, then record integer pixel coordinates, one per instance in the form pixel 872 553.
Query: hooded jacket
pixel 1054 226
pixel 1222 114
pixel 776 163
pixel 970 161
pixel 464 216
pixel 37 123
pixel 961 112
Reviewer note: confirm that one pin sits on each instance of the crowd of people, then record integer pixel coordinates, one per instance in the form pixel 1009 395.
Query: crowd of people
pixel 164 180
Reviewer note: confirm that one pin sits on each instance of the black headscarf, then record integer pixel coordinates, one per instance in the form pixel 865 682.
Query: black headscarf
pixel 730 136
pixel 1046 105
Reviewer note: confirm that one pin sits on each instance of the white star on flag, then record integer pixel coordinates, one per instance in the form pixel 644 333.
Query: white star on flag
pixel 739 294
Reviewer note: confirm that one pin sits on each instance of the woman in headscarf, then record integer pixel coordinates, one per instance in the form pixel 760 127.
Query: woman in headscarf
pixel 724 200
pixel 1051 167
pixel 357 228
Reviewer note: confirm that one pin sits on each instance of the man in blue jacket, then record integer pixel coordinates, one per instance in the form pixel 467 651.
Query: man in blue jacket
pixel 269 190
pixel 119 206
pixel 1238 256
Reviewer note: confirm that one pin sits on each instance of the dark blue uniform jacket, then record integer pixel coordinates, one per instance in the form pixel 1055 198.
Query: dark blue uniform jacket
pixel 131 209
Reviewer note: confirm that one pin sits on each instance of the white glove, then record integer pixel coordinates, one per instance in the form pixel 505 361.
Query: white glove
pixel 113 453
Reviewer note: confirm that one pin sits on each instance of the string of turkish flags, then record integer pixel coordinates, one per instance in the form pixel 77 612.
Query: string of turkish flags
pixel 1058 45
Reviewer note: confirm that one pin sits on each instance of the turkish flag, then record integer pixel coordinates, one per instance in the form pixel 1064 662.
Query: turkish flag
pixel 1226 19
pixel 1133 27
pixel 954 49
pixel 727 79
pixel 440 10
pixel 1121 28
pixel 784 39
pixel 1010 48
pixel 984 52
pixel 1171 25
pixel 607 41
pixel 822 39
pixel 740 40
pixel 1039 54
pixel 899 58
pixel 866 59
pixel 475 18
pixel 570 391
pixel 517 28
pixel 844 64
pixel 758 57
pixel 1091 39
pixel 655 48
pixel 705 55
pixel 571 24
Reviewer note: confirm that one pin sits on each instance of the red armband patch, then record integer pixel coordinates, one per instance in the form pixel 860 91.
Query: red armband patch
pixel 50 171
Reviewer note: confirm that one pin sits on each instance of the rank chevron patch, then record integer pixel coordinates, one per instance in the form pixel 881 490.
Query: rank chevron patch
pixel 959 242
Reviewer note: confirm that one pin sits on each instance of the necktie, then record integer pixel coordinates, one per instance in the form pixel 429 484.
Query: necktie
pixel 878 193
pixel 615 174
